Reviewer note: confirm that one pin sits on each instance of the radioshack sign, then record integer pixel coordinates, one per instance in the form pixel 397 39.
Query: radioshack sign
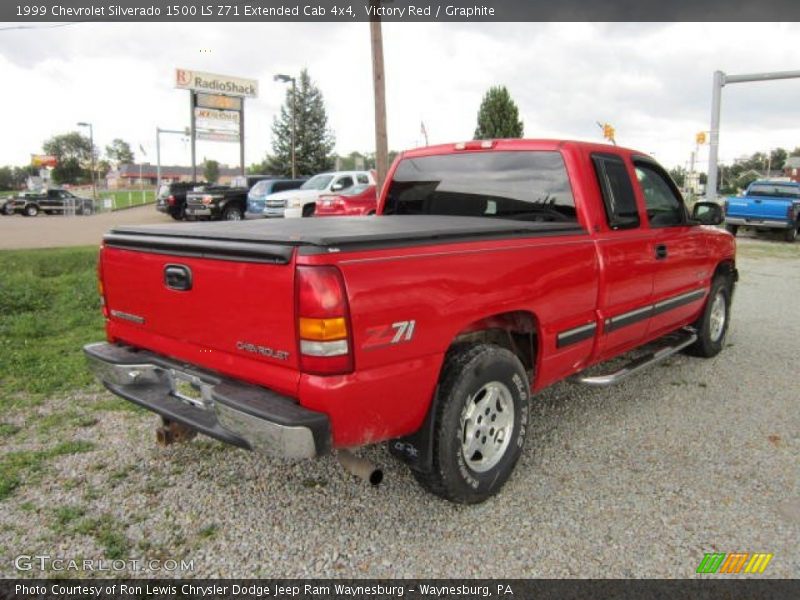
pixel 219 84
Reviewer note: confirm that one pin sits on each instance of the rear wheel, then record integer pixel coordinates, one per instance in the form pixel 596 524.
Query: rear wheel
pixel 790 234
pixel 309 209
pixel 732 229
pixel 232 213
pixel 480 423
pixel 712 326
pixel 178 215
pixel 31 210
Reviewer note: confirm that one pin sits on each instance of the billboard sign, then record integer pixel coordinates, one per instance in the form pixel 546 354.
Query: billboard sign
pixel 212 83
pixel 44 160
pixel 209 118
pixel 219 101
pixel 218 136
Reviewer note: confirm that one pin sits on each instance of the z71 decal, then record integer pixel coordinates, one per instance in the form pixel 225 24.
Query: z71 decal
pixel 388 335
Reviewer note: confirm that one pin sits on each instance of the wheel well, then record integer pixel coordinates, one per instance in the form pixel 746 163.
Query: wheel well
pixel 727 269
pixel 516 331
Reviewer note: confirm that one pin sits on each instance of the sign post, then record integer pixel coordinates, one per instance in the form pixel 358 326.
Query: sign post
pixel 220 102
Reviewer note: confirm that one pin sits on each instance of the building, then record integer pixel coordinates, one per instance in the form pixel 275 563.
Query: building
pixel 146 175
pixel 791 168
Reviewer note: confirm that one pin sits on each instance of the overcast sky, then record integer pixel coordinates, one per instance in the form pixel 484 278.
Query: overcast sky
pixel 651 81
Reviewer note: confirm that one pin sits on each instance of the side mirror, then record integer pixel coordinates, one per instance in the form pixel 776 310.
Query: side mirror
pixel 708 213
pixel 337 187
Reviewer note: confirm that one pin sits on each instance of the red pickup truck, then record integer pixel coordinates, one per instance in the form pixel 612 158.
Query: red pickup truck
pixel 493 269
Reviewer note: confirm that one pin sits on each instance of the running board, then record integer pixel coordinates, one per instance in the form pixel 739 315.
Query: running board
pixel 685 337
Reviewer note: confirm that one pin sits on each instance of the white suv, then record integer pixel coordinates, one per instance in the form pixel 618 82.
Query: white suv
pixel 302 201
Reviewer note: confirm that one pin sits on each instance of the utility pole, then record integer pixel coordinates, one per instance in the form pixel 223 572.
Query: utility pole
pixel 721 79
pixel 91 142
pixel 379 86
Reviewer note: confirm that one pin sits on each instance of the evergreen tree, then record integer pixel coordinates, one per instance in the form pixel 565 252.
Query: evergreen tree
pixel 211 171
pixel 314 141
pixel 498 116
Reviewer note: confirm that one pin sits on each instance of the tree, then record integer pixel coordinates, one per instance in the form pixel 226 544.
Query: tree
pixel 7 178
pixel 314 141
pixel 498 116
pixel 74 154
pixel 678 175
pixel 211 170
pixel 119 152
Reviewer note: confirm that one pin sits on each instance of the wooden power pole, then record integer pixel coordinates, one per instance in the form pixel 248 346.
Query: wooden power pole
pixel 378 81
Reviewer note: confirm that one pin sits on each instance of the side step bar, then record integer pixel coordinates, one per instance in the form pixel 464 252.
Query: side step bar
pixel 677 342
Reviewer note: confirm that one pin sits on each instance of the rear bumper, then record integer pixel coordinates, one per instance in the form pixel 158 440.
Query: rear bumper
pixel 760 223
pixel 240 414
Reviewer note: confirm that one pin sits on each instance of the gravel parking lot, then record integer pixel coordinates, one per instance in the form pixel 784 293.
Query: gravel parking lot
pixel 639 480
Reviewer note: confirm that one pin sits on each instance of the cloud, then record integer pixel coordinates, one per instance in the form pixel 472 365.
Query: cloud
pixel 651 81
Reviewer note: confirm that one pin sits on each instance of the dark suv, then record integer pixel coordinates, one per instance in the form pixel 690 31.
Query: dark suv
pixel 228 202
pixel 171 198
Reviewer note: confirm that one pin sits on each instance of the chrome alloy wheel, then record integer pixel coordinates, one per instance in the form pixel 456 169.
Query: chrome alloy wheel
pixel 487 423
pixel 718 317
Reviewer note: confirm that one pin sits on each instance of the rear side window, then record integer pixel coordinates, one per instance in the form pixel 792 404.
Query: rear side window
pixel 771 189
pixel 361 178
pixel 615 184
pixel 527 185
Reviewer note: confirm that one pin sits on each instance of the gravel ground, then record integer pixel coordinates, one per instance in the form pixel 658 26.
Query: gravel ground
pixel 639 480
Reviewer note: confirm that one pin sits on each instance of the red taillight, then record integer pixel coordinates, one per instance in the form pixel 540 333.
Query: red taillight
pixel 171 200
pixel 323 321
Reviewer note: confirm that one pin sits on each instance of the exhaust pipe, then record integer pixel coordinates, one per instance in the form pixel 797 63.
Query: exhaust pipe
pixel 171 432
pixel 360 467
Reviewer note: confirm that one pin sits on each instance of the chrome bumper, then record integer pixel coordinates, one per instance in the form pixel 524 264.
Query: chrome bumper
pixel 240 414
pixel 761 223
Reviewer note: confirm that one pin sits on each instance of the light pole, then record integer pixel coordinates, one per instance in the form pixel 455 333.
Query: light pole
pixel 287 79
pixel 379 92
pixel 91 141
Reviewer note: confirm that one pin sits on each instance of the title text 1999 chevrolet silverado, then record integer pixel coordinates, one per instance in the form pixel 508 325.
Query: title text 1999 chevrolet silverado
pixel 493 270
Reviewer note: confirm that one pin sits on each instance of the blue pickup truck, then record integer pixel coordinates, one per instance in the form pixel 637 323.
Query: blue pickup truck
pixel 766 205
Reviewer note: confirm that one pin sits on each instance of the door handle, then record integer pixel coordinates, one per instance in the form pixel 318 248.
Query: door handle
pixel 661 251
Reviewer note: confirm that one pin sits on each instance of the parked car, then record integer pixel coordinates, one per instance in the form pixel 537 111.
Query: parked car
pixel 359 200
pixel 228 202
pixel 256 198
pixel 53 201
pixel 171 198
pixel 766 205
pixel 493 270
pixel 302 201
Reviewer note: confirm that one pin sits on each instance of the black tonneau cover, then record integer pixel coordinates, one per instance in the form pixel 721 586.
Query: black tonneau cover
pixel 276 238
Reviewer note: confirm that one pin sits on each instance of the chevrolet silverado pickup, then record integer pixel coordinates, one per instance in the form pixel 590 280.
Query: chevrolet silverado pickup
pixel 228 202
pixel 492 270
pixel 766 205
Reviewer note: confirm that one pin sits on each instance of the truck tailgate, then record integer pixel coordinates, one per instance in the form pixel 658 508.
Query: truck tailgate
pixel 232 309
pixel 755 207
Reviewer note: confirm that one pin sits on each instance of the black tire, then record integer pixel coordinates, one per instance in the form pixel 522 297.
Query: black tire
pixel 309 210
pixel 232 213
pixel 732 229
pixel 179 215
pixel 790 235
pixel 469 375
pixel 31 210
pixel 711 340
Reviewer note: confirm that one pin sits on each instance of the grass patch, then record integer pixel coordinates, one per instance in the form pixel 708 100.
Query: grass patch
pixel 209 531
pixel 14 466
pixel 49 308
pixel 764 248
pixel 8 429
pixel 65 515
pixel 126 199
pixel 108 533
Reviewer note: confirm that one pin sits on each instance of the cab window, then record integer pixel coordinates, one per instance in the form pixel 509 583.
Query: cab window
pixel 362 178
pixel 663 201
pixel 615 184
pixel 342 183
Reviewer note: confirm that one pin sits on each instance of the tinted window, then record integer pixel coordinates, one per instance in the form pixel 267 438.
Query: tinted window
pixel 771 189
pixel 531 186
pixel 664 206
pixel 281 186
pixel 618 197
pixel 362 179
pixel 344 182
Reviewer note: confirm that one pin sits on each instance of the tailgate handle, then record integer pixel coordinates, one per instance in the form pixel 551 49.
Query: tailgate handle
pixel 178 277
